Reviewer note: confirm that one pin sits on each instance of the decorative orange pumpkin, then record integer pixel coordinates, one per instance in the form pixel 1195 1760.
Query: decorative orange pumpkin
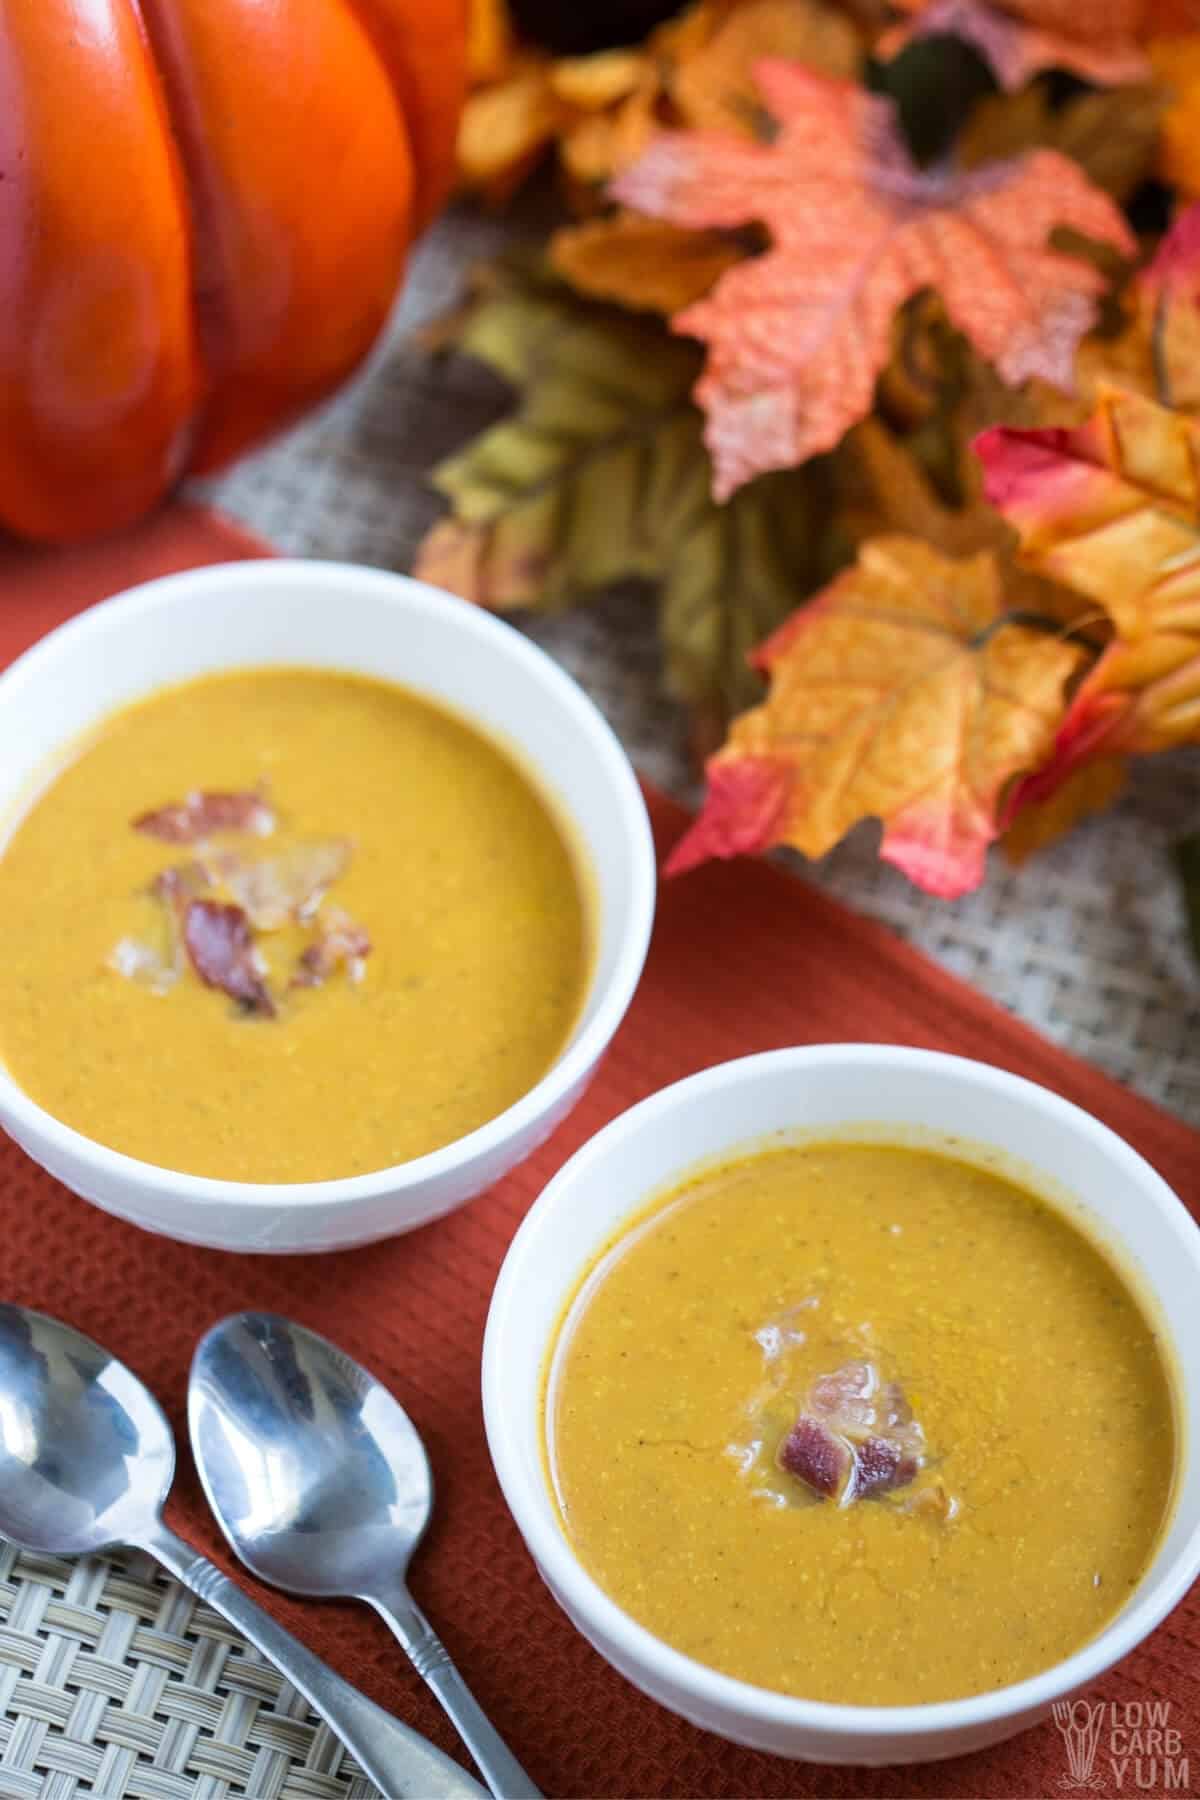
pixel 204 211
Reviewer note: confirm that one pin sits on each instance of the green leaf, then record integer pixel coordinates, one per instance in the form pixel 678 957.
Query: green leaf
pixel 1187 862
pixel 600 474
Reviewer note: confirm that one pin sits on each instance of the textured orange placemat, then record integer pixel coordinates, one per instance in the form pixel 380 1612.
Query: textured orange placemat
pixel 744 958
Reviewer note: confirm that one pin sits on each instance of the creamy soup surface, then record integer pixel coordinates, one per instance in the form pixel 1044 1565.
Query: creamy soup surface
pixel 862 1424
pixel 286 925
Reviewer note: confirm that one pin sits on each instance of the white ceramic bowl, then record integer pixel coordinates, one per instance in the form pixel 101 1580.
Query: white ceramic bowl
pixel 831 1089
pixel 337 616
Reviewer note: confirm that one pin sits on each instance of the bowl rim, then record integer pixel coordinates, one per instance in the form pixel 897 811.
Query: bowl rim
pixel 709 1688
pixel 419 598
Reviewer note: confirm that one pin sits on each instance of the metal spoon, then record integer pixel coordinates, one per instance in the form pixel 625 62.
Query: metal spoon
pixel 86 1459
pixel 322 1486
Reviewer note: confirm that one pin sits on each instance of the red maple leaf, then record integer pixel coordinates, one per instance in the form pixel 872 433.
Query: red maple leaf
pixel 797 336
pixel 1172 277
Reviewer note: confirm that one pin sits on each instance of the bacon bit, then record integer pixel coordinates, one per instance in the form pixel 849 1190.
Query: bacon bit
pixel 221 948
pixel 289 885
pixel 880 1465
pixel 823 1462
pixel 200 815
pixel 341 940
pixel 854 1437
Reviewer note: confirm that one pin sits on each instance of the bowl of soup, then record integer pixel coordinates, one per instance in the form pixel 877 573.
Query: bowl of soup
pixel 846 1398
pixel 322 894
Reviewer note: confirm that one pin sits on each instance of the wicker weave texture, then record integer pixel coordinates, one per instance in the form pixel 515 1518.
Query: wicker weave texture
pixel 115 1682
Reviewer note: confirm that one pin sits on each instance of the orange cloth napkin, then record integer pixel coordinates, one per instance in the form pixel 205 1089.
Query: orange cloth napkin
pixel 744 958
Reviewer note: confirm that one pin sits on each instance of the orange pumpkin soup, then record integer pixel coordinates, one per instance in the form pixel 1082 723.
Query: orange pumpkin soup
pixel 285 925
pixel 863 1424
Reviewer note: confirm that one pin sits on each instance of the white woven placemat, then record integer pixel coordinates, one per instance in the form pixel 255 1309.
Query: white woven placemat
pixel 113 1681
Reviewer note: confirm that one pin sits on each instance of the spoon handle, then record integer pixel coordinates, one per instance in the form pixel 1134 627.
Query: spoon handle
pixel 497 1764
pixel 399 1761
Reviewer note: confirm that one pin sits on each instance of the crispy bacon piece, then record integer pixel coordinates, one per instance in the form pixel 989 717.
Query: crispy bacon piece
pixel 201 815
pixel 855 1436
pixel 289 884
pixel 340 939
pixel 220 945
pixel 815 1456
pixel 880 1465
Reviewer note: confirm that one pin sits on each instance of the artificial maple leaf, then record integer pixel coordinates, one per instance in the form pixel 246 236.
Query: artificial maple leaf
pixel 714 88
pixel 904 692
pixel 491 42
pixel 641 263
pixel 702 78
pixel 1112 509
pixel 1176 63
pixel 797 336
pixel 1097 39
pixel 881 488
pixel 600 475
pixel 1090 788
pixel 1112 133
pixel 603 108
pixel 505 128
pixel 1156 351
pixel 1168 303
pixel 523 99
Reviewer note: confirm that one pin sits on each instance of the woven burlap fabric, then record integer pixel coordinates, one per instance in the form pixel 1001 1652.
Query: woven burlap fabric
pixel 1087 942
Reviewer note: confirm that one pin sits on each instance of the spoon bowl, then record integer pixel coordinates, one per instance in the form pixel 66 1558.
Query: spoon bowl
pixel 316 1474
pixel 322 1486
pixel 85 1449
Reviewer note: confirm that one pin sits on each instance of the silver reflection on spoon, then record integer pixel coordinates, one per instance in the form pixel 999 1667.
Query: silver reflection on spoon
pixel 321 1484
pixel 86 1459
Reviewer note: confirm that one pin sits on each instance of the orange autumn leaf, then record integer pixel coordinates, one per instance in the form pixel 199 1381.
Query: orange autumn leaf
pixel 904 692
pixel 1168 297
pixel 491 41
pixel 713 88
pixel 602 79
pixel 1097 39
pixel 797 335
pixel 1090 789
pixel 505 128
pixel 1157 351
pixel 523 99
pixel 641 263
pixel 1112 509
pixel 1176 63
pixel 602 109
pixel 1114 134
